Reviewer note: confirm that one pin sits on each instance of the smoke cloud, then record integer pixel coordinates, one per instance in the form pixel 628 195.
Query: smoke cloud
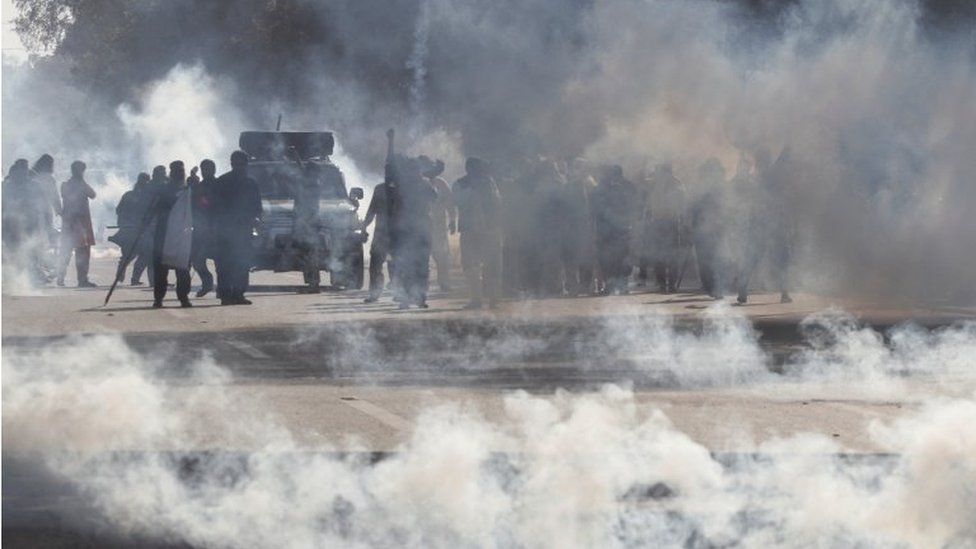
pixel 875 99
pixel 594 468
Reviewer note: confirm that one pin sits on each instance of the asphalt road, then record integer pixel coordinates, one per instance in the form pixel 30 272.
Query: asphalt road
pixel 318 348
pixel 329 368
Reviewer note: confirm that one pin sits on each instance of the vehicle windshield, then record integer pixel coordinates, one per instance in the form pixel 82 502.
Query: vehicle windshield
pixel 278 179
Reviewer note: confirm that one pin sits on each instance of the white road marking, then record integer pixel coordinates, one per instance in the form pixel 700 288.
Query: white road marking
pixel 382 415
pixel 247 349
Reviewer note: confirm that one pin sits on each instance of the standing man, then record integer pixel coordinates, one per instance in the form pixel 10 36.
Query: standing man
pixel 411 200
pixel 132 237
pixel 237 210
pixel 15 201
pixel 165 201
pixel 543 261
pixel 479 209
pixel 667 228
pixel 443 220
pixel 771 225
pixel 379 249
pixel 26 222
pixel 575 231
pixel 507 176
pixel 43 174
pixel 76 227
pixel 708 228
pixel 203 201
pixel 305 233
pixel 614 203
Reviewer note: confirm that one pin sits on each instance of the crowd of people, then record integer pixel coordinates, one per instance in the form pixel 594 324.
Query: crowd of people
pixel 545 228
pixel 225 211
pixel 536 228
pixel 31 201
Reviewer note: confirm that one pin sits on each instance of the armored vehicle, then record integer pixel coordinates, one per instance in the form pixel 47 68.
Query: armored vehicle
pixel 277 161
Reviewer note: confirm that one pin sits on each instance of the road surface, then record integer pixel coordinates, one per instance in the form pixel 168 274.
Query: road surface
pixel 330 369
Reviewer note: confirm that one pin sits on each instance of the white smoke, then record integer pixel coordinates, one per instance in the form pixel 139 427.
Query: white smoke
pixel 417 63
pixel 184 116
pixel 878 110
pixel 603 468
pixel 873 109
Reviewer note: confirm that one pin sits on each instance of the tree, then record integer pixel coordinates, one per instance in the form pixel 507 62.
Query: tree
pixel 42 24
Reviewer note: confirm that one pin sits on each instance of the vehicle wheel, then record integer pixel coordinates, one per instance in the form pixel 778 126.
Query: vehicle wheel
pixel 351 274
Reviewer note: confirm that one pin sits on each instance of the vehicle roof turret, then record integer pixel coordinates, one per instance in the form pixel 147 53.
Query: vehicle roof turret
pixel 272 146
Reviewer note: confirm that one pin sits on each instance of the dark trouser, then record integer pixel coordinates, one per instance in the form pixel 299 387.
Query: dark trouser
pixel 612 250
pixel 378 254
pixel 233 262
pixel 481 258
pixel 140 266
pixel 540 264
pixel 710 269
pixel 577 272
pixel 82 259
pixel 144 262
pixel 667 270
pixel 440 250
pixel 667 253
pixel 161 275
pixel 780 254
pixel 642 271
pixel 198 259
pixel 645 258
pixel 142 256
pixel 308 254
pixel 124 261
pixel 411 253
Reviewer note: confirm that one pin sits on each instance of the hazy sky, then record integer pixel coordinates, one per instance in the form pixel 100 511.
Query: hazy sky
pixel 11 43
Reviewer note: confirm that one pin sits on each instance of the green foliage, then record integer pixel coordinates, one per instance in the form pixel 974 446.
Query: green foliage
pixel 117 44
pixel 41 24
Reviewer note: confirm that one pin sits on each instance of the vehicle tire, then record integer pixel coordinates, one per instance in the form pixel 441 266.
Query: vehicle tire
pixel 351 274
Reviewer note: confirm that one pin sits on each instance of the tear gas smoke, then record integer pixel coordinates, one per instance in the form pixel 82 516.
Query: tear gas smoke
pixel 416 62
pixel 875 98
pixel 586 469
pixel 182 116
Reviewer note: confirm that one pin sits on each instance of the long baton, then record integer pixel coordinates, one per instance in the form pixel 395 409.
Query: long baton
pixel 135 246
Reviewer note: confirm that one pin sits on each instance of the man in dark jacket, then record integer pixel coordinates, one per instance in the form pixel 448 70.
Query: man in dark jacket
pixel 203 202
pixel 576 241
pixel 307 191
pixel 134 239
pixel 708 227
pixel 380 250
pixel 165 200
pixel 236 211
pixel 25 221
pixel 411 199
pixel 614 207
pixel 479 217
pixel 665 209
pixel 771 225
